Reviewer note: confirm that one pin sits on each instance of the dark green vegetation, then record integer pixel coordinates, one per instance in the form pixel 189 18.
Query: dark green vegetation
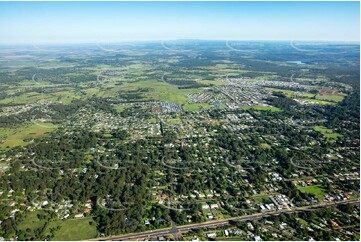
pixel 105 141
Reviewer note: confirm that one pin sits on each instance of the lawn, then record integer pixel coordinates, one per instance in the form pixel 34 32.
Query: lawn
pixel 74 229
pixel 315 190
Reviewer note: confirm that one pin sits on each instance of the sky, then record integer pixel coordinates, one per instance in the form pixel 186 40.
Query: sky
pixel 100 22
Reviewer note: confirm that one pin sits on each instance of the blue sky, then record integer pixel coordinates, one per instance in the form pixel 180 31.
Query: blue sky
pixel 91 22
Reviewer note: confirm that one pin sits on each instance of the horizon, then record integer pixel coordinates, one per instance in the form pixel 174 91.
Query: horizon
pixel 175 40
pixel 109 22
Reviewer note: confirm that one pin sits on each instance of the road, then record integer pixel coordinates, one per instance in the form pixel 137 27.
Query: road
pixel 185 228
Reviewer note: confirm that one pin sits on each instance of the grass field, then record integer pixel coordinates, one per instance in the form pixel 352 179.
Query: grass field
pixel 319 98
pixel 121 108
pixel 260 197
pixel 58 95
pixel 332 98
pixel 157 90
pixel 31 221
pixel 196 106
pixel 263 108
pixel 216 83
pixel 74 229
pixel 174 121
pixel 12 137
pixel 315 190
pixel 288 93
pixel 328 133
pixel 319 101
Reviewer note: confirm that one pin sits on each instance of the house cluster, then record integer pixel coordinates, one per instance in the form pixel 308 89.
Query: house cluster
pixel 242 96
pixel 203 97
pixel 281 202
pixel 167 107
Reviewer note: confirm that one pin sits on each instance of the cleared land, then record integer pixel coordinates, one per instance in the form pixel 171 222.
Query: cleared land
pixel 328 133
pixel 12 137
pixel 74 229
pixel 315 190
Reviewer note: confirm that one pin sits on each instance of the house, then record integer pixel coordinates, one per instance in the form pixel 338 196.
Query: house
pixel 211 235
pixel 80 215
pixel 250 226
pixel 205 206
pixel 283 226
pixel 214 206
pixel 250 234
pixel 146 222
pixel 226 233
pixel 257 238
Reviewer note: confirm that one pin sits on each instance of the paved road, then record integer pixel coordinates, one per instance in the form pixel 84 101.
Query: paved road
pixel 185 228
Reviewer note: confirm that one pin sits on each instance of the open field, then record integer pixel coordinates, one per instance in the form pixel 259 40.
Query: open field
pixel 151 90
pixel 74 229
pixel 65 96
pixel 318 101
pixel 331 98
pixel 121 108
pixel 12 137
pixel 196 106
pixel 32 221
pixel 288 93
pixel 315 190
pixel 328 133
pixel 174 121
